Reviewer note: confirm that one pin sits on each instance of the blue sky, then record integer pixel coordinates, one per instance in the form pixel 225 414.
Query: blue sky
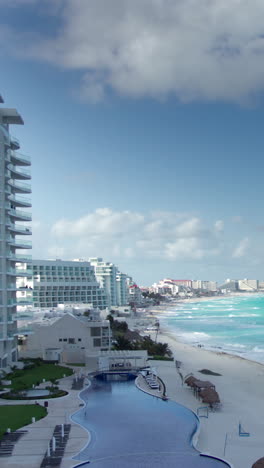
pixel 144 122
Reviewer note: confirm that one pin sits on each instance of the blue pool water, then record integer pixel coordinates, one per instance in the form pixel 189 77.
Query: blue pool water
pixel 233 324
pixel 132 429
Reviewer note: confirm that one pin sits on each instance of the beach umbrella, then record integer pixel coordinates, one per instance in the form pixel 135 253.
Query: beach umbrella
pixel 209 396
pixel 190 380
pixel 201 384
pixel 259 463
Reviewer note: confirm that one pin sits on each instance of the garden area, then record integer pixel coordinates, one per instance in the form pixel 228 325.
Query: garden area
pixel 18 416
pixel 32 375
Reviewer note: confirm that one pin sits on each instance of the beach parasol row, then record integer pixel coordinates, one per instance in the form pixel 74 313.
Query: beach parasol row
pixel 204 388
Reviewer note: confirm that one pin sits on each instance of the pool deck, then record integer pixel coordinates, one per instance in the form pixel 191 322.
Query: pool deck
pixel 31 448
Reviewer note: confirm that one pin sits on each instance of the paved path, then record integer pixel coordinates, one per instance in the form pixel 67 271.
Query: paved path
pixel 30 449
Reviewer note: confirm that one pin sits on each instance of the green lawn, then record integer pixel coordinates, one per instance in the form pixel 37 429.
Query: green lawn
pixel 16 416
pixel 30 377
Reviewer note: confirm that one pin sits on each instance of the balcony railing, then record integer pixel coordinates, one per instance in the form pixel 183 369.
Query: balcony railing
pixel 20 186
pixel 14 142
pixel 19 173
pixel 19 229
pixel 21 158
pixel 23 258
pixel 19 272
pixel 21 243
pixel 20 201
pixel 20 214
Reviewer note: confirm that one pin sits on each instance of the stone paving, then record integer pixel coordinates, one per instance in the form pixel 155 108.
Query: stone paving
pixel 31 448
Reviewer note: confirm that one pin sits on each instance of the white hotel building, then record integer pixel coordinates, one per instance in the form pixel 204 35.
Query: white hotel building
pixel 61 282
pixel 122 289
pixel 106 273
pixel 13 174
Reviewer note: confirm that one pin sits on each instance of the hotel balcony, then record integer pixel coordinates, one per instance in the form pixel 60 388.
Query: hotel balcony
pixel 20 201
pixel 9 303
pixel 19 272
pixel 20 159
pixel 19 258
pixel 24 301
pixel 20 187
pixel 20 243
pixel 14 143
pixel 20 215
pixel 19 229
pixel 17 173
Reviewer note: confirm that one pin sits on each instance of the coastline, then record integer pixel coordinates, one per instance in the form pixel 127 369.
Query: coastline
pixel 240 387
pixel 157 311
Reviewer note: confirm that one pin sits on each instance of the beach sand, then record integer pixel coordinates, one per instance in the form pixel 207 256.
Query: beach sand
pixel 241 390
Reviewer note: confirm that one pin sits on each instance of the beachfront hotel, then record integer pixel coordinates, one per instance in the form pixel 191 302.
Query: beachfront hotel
pixel 122 289
pixel 106 273
pixel 63 282
pixel 14 172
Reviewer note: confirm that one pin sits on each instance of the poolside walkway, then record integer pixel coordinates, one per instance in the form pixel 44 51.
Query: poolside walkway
pixel 31 448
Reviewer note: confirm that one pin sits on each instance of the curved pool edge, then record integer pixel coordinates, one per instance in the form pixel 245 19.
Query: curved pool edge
pixel 208 455
pixel 196 433
pixel 80 425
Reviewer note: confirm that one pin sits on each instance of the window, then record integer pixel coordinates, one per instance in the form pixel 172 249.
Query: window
pixel 64 339
pixel 97 342
pixel 71 340
pixel 79 339
pixel 95 331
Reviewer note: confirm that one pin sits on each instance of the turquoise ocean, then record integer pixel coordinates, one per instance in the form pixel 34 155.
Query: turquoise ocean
pixel 233 324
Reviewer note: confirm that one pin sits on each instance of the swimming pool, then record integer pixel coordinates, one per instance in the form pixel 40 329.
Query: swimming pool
pixel 132 429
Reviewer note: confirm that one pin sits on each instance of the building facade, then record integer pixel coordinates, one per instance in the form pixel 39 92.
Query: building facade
pixel 121 289
pixel 204 285
pixel 60 282
pixel 248 285
pixel 13 227
pixel 105 273
pixel 67 339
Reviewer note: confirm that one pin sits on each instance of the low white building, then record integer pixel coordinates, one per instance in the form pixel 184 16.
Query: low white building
pixel 67 339
pixel 115 360
pixel 248 285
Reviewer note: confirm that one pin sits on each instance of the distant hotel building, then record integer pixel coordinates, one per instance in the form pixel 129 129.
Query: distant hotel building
pixel 121 289
pixel 204 285
pixel 61 282
pixel 12 218
pixel 106 274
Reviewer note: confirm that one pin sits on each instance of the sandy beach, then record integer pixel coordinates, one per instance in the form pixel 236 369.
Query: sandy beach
pixel 241 390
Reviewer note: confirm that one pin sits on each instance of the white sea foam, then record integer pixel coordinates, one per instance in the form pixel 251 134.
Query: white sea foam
pixel 194 337
pixel 234 345
pixel 257 349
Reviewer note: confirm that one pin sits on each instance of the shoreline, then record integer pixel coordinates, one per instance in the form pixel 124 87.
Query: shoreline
pixel 240 387
pixel 156 313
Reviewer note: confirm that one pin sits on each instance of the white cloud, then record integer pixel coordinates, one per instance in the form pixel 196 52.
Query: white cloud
pixel 241 249
pixel 195 49
pixel 219 225
pixel 100 223
pixel 129 234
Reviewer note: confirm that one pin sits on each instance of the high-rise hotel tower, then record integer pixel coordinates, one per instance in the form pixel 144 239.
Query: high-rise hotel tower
pixel 13 227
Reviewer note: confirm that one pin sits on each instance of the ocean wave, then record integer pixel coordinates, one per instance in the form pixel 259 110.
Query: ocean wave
pixel 235 345
pixel 257 349
pixel 244 315
pixel 194 336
